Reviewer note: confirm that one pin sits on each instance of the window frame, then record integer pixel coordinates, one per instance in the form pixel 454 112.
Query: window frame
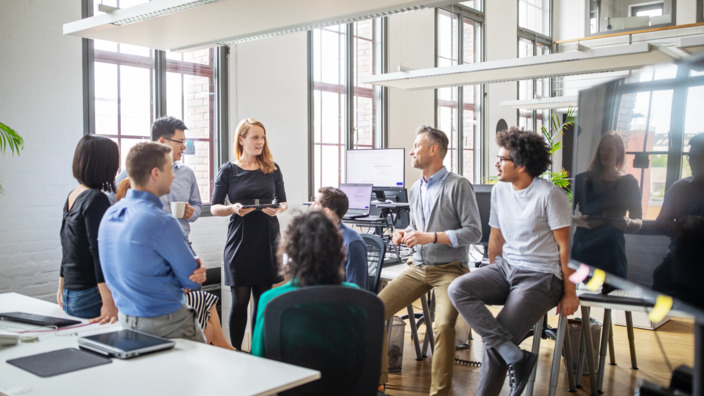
pixel 218 73
pixel 461 12
pixel 347 125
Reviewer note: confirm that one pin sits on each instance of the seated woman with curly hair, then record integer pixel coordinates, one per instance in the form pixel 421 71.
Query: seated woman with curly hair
pixel 311 254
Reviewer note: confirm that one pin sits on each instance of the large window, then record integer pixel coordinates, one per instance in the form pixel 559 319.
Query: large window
pixel 459 41
pixel 132 86
pixel 534 38
pixel 346 113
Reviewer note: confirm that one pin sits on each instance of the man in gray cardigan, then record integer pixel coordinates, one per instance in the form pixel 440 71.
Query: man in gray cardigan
pixel 444 223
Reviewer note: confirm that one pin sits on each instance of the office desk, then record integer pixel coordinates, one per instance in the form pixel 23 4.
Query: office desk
pixel 190 368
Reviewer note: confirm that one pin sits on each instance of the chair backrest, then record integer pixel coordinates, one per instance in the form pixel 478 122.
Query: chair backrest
pixel 376 251
pixel 336 330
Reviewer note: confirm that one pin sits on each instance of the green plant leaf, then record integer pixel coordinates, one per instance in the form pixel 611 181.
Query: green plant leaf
pixel 8 137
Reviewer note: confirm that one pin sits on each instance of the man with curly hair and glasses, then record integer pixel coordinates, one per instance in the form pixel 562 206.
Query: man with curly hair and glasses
pixel 529 251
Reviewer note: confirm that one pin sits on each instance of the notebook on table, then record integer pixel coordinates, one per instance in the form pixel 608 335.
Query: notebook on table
pixel 124 344
pixel 39 320
pixel 359 196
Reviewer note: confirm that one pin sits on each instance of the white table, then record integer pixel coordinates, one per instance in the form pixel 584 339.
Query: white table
pixel 190 368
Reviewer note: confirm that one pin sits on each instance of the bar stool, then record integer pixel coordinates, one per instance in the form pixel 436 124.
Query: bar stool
pixel 562 343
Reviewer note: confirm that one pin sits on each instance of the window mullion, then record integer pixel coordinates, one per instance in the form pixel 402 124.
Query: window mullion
pixel 349 87
pixel 159 87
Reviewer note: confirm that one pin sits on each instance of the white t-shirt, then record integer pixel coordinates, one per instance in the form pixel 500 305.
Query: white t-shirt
pixel 526 219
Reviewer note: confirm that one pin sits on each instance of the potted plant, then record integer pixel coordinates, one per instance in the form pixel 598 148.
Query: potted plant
pixel 9 138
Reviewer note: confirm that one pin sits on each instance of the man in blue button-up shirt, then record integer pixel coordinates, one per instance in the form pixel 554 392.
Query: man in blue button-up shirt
pixel 145 256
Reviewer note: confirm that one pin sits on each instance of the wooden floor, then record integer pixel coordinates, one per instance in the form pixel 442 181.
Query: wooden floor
pixel 676 336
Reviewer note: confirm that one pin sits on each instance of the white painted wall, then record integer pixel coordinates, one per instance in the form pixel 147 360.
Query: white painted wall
pixel 41 99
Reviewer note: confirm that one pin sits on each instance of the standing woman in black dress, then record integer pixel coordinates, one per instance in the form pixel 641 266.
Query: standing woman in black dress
pixel 82 291
pixel 252 235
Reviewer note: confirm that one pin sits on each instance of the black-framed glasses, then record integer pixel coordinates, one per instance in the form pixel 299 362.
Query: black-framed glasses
pixel 501 160
pixel 181 142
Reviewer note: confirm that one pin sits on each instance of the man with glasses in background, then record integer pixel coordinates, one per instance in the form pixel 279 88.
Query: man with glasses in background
pixel 444 223
pixel 171 131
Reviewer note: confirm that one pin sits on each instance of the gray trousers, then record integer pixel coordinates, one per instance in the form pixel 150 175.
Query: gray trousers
pixel 526 297
pixel 181 323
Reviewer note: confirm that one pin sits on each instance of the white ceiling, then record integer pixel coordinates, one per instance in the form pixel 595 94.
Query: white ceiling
pixel 221 21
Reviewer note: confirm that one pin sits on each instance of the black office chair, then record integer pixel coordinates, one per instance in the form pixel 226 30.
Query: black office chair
pixel 376 250
pixel 336 330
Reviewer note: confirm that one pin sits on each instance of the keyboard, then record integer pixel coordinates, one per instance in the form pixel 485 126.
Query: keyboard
pixel 39 320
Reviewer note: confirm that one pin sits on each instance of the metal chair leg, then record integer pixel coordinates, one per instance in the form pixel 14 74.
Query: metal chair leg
pixel 429 336
pixel 612 353
pixel 536 349
pixel 605 333
pixel 631 340
pixel 591 361
pixel 414 331
pixel 563 334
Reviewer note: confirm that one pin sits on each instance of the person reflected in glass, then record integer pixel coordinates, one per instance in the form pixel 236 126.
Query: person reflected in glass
pixel 250 250
pixel 682 219
pixel 609 201
pixel 82 291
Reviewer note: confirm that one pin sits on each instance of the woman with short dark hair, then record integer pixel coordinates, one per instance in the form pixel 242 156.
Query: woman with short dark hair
pixel 82 291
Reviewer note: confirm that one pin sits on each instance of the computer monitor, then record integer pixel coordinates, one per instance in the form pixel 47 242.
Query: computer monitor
pixel 381 167
pixel 483 194
pixel 393 195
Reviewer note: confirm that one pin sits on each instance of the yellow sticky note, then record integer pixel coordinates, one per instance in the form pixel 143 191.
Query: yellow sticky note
pixel 663 305
pixel 597 280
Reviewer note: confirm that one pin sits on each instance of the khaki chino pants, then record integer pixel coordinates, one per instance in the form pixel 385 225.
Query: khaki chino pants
pixel 409 286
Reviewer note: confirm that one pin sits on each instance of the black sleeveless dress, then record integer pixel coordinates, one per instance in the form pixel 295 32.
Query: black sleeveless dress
pixel 252 240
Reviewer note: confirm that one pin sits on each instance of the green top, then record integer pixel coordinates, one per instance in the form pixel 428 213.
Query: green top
pixel 258 336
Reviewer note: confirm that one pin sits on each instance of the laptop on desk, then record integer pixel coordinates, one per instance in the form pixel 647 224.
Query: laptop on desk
pixel 360 199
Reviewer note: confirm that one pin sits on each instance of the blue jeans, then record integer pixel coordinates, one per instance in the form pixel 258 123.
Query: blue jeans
pixel 84 304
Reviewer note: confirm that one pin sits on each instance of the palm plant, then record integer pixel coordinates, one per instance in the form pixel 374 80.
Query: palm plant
pixel 9 138
pixel 554 129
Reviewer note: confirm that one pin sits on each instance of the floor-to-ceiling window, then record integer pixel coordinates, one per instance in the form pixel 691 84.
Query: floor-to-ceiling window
pixel 534 38
pixel 458 109
pixel 346 113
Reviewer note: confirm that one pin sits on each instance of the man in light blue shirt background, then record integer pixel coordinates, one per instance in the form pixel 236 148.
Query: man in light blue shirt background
pixel 145 256
pixel 171 131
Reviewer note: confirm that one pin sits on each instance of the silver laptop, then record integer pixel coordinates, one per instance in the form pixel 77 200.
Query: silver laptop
pixel 124 344
pixel 359 196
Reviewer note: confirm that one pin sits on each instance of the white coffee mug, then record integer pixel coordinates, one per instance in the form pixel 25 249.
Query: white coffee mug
pixel 177 209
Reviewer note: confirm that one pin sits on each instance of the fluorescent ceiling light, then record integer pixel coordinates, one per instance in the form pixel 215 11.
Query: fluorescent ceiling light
pixel 184 25
pixel 620 57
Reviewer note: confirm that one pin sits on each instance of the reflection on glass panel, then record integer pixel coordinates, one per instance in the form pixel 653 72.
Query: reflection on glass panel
pixel 657 128
pixel 470 129
pixel 693 121
pixel 607 16
pixel 105 98
pixel 135 93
